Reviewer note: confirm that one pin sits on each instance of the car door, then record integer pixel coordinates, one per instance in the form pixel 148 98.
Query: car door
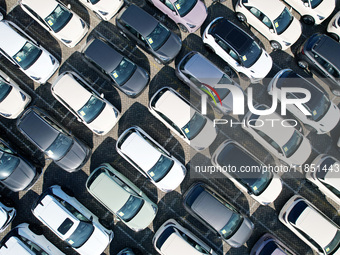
pixel 260 22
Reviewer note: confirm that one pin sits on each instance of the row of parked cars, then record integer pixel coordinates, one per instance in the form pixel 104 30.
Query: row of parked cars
pixel 82 230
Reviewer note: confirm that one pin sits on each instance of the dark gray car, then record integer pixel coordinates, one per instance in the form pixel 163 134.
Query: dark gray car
pixel 63 148
pixel 151 35
pixel 127 76
pixel 16 173
pixel 217 214
pixel 270 245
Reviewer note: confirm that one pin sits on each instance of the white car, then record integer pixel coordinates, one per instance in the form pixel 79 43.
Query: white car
pixel 151 159
pixel 27 239
pixel 263 186
pixel 333 27
pixel 175 112
pixel 59 20
pixel 272 19
pixel 325 174
pixel 313 12
pixel 282 140
pixel 238 49
pixel 311 226
pixel 324 114
pixel 90 108
pixel 13 99
pixel 25 53
pixel 103 9
pixel 7 215
pixel 73 223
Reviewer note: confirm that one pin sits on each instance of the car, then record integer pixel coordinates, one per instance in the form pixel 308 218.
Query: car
pixel 175 112
pixel 318 55
pixel 283 141
pixel 311 225
pixel 126 251
pixel 171 238
pixel 126 75
pixel 59 20
pixel 217 214
pixel 324 114
pixel 53 140
pixel 272 19
pixel 270 245
pixel 333 27
pixel 103 9
pixel 90 108
pixel 262 185
pixel 199 74
pixel 324 173
pixel 121 197
pixel 27 239
pixel 7 215
pixel 25 53
pixel 16 172
pixel 150 159
pixel 237 48
pixel 188 14
pixel 313 12
pixel 13 99
pixel 149 34
pixel 71 221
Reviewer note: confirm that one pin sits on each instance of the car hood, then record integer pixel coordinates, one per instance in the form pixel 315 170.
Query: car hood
pixel 106 120
pixel 21 177
pixel 174 177
pixel 205 137
pixel 73 30
pixel 171 47
pixel 144 217
pixel 75 158
pixel 96 244
pixel 262 66
pixel 292 33
pixel 13 103
pixel 136 83
pixel 271 192
pixel 242 234
pixel 301 154
pixel 197 15
pixel 331 119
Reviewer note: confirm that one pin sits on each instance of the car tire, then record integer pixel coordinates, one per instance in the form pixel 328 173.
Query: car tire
pixel 275 45
pixel 182 28
pixel 302 64
pixel 335 37
pixel 309 20
pixel 336 92
pixel 68 191
pixel 36 229
pixel 240 16
pixel 209 48
pixel 6 201
pixel 105 223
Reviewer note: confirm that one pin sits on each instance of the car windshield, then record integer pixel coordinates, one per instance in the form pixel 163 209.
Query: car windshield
pixel 283 21
pixel 123 72
pixel 334 245
pixel 27 55
pixel 269 248
pixel 59 147
pixel 8 164
pixel 258 185
pixel 320 108
pixel 315 3
pixel 81 234
pixel 161 168
pixel 91 109
pixel 130 208
pixel 58 18
pixel 5 89
pixel 293 144
pixel 233 224
pixel 251 55
pixel 94 1
pixel 194 126
pixel 158 36
pixel 184 6
pixel 32 246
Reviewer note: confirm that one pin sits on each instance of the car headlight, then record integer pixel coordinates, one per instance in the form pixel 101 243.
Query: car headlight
pixel 287 43
pixel 154 208
pixel 66 41
pixel 82 23
pixel 6 114
pixel 103 13
pixel 163 58
pixel 191 25
pixel 22 96
pixel 98 132
pixel 52 60
pixel 320 17
pixel 35 78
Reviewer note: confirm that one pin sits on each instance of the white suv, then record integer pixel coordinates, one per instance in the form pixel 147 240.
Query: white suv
pixel 103 9
pixel 66 217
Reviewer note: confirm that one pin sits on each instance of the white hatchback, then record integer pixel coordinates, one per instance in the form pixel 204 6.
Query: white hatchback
pixel 333 27
pixel 103 9
pixel 59 20
pixel 272 19
pixel 85 103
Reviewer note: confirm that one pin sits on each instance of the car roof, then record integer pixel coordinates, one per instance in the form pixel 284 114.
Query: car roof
pixel 174 108
pixel 175 242
pixel 12 42
pixel 316 226
pixel 329 49
pixel 269 7
pixel 109 192
pixel 73 93
pixel 15 246
pixel 211 210
pixel 103 55
pixel 139 19
pixel 140 151
pixel 41 132
pixel 42 7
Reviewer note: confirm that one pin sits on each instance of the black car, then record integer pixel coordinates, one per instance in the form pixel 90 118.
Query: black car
pixel 320 55
pixel 16 173
pixel 127 76
pixel 151 35
pixel 63 148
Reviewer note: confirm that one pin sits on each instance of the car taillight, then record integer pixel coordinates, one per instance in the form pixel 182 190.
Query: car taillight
pixel 302 51
pixel 334 23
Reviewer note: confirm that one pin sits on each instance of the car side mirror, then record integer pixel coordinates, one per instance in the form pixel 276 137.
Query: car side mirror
pixel 174 13
pixel 271 30
pixel 102 95
pixel 69 6
pixel 306 4
pixel 91 218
